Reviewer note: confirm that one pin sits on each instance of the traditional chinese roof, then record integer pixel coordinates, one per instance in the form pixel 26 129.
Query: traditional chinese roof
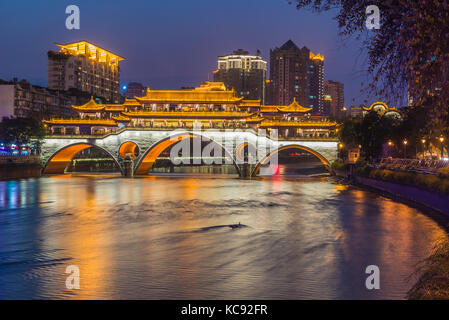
pixel 99 122
pixel 382 108
pixel 185 115
pixel 269 123
pixel 294 107
pixel 255 119
pixel 250 103
pixel 121 118
pixel 91 105
pixel 208 93
pixel 131 102
pixel 114 107
pixel 268 109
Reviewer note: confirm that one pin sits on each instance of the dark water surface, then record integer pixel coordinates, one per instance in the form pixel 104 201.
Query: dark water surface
pixel 168 237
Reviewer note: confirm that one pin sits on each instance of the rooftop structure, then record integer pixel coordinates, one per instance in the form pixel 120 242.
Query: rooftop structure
pixel 210 106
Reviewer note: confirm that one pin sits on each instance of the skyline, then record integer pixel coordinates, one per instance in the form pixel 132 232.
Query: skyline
pixel 163 62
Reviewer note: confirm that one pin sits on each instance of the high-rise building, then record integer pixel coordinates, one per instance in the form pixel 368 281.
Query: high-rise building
pixel 296 74
pixel 244 73
pixel 135 89
pixel 87 68
pixel 335 90
pixel 20 99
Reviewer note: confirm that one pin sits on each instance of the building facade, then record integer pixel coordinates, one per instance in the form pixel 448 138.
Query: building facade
pixel 23 100
pixel 296 74
pixel 87 68
pixel 135 89
pixel 209 106
pixel 335 91
pixel 243 72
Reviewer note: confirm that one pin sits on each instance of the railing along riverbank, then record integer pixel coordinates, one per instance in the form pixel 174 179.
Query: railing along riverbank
pixel 423 182
pixel 18 167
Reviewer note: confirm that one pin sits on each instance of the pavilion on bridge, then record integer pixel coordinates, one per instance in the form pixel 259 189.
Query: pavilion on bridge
pixel 207 106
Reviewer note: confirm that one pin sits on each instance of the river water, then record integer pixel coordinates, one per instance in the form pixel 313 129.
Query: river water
pixel 163 237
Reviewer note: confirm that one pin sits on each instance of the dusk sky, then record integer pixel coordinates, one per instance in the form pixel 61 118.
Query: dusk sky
pixel 169 44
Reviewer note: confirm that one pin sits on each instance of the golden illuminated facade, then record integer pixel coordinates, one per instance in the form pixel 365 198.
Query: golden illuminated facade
pixel 208 106
pixel 296 74
pixel 86 67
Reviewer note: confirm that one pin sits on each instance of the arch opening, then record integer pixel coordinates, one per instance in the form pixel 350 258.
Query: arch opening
pixel 161 154
pixel 129 147
pixel 81 157
pixel 293 160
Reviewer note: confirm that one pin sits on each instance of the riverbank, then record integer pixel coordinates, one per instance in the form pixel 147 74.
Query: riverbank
pixel 431 274
pixel 20 167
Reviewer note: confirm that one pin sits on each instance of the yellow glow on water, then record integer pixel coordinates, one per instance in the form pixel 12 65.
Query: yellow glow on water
pixel 340 187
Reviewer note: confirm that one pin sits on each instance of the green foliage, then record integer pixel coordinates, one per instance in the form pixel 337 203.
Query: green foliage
pixel 443 173
pixel 362 168
pixel 433 275
pixel 433 182
pixel 22 131
pixel 339 165
pixel 370 132
pixel 408 54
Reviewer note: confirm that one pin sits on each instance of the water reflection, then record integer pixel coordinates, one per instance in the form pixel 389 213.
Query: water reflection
pixel 167 237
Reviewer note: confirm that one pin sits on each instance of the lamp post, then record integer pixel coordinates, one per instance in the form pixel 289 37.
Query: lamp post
pixel 405 148
pixel 423 148
pixel 390 145
pixel 442 150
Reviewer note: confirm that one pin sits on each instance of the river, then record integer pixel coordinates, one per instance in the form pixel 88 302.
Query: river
pixel 162 237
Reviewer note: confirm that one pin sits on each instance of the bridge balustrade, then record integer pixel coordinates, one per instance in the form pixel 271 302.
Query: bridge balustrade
pixel 425 166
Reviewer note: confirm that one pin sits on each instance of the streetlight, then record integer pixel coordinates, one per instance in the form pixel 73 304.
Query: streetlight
pixel 423 148
pixel 405 148
pixel 442 150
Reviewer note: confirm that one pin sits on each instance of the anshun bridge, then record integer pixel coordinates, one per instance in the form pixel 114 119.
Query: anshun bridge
pixel 162 118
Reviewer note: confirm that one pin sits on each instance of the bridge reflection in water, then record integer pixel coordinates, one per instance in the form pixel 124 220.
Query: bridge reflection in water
pixel 160 238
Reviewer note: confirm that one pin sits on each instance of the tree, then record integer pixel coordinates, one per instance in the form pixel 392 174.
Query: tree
pixel 370 132
pixel 22 131
pixel 408 54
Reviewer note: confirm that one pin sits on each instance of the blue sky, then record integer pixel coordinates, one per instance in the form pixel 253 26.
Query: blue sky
pixel 169 44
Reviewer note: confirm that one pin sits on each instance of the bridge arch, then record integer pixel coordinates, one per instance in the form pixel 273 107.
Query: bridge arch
pixel 59 161
pixel 148 158
pixel 128 147
pixel 292 146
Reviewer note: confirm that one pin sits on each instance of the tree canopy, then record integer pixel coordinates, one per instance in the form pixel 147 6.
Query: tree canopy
pixel 408 55
pixel 21 131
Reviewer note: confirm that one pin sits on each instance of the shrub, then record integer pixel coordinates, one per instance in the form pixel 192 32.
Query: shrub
pixel 443 172
pixel 434 182
pixel 433 275
pixel 339 165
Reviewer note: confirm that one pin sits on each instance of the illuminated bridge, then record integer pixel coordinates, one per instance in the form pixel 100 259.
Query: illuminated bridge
pixel 58 151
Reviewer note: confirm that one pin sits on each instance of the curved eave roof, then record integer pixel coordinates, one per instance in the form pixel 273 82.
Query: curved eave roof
pixel 121 119
pixel 106 122
pixel 268 123
pixel 114 108
pixel 190 96
pixel 91 105
pixel 190 114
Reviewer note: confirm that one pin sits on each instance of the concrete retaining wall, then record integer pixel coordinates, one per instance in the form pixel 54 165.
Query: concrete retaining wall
pixel 431 199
